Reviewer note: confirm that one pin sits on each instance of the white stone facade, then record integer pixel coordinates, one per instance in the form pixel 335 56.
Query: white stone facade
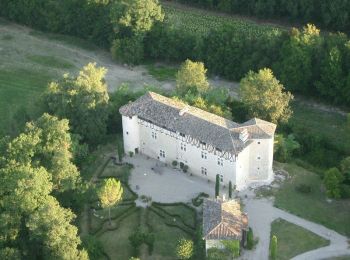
pixel 253 164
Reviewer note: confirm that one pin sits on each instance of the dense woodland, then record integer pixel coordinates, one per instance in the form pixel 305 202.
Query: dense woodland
pixel 306 61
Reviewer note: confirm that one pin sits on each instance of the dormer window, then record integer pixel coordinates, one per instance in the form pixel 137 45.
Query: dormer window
pixel 204 155
pixel 183 147
pixel 181 134
pixel 154 135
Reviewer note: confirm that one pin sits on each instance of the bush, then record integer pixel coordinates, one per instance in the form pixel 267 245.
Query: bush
pixel 182 165
pixel 184 249
pixel 131 154
pixel 93 246
pixel 230 190
pixel 273 248
pixel 250 239
pixel 185 168
pixel 174 163
pixel 217 185
pixel 128 50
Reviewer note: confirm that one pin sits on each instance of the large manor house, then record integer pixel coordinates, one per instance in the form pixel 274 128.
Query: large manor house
pixel 210 145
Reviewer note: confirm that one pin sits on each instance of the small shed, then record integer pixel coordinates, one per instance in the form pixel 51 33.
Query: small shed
pixel 223 220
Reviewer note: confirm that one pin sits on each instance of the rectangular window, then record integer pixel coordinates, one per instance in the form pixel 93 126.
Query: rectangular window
pixel 204 171
pixel 162 153
pixel 181 134
pixel 221 178
pixel 154 135
pixel 220 161
pixel 204 155
pixel 183 146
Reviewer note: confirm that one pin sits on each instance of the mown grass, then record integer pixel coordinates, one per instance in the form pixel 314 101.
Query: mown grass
pixel 162 72
pixel 293 240
pixel 313 206
pixel 19 88
pixel 116 242
pixel 51 61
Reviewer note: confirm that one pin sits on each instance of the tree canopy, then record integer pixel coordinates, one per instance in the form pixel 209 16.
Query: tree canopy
pixel 265 97
pixel 83 100
pixel 192 75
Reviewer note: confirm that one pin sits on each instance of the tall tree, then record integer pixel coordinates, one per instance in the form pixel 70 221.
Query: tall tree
pixel 50 225
pixel 83 100
pixel 191 75
pixel 217 185
pixel 137 15
pixel 265 97
pixel 109 194
pixel 332 180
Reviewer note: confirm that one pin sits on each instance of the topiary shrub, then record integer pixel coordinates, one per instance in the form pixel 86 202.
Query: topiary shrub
pixel 174 163
pixel 230 190
pixel 250 239
pixel 185 168
pixel 131 154
pixel 182 165
pixel 273 248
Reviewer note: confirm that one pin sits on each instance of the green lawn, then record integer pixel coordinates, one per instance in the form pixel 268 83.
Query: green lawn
pixel 116 243
pixel 162 72
pixel 331 125
pixel 293 240
pixel 50 61
pixel 19 88
pixel 312 206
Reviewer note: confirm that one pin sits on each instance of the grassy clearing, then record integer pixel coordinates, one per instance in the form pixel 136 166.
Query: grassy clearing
pixel 116 243
pixel 294 240
pixel 50 61
pixel 314 205
pixel 162 72
pixel 201 22
pixel 19 88
pixel 331 125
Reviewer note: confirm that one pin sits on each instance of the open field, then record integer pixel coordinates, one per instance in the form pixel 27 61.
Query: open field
pixel 312 206
pixel 201 21
pixel 294 240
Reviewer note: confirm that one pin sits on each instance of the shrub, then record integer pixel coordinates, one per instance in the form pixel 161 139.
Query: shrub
pixel 217 185
pixel 230 190
pixel 131 154
pixel 182 165
pixel 184 249
pixel 93 246
pixel 174 163
pixel 185 168
pixel 136 239
pixel 128 50
pixel 273 248
pixel 233 246
pixel 250 239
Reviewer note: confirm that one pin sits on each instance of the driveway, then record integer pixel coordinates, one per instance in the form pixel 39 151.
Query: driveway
pixel 165 184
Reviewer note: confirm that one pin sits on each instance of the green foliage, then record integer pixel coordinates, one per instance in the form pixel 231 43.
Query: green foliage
pixel 128 49
pixel 93 246
pixel 217 185
pixel 184 249
pixel 273 248
pixel 332 180
pixel 250 239
pixel 137 15
pixel 230 190
pixel 83 100
pixel 185 168
pixel 285 147
pixel 303 188
pixel 217 254
pixel 233 246
pixel 265 97
pixel 191 75
pixel 174 163
pixel 51 224
pixel 197 201
pixel 138 238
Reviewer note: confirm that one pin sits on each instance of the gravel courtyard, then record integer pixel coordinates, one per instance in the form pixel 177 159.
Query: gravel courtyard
pixel 163 183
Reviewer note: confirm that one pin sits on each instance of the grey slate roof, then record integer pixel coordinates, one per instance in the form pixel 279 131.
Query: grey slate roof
pixel 223 220
pixel 206 127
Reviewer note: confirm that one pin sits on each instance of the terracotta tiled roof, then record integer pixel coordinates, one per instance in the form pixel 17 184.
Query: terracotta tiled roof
pixel 223 220
pixel 206 127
